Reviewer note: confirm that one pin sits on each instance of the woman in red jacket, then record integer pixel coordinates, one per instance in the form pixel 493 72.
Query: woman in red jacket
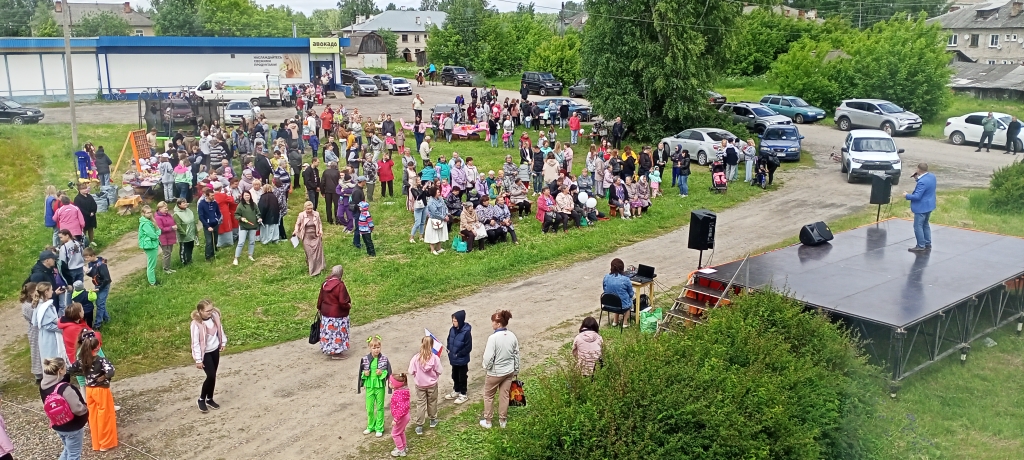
pixel 546 210
pixel 386 174
pixel 334 304
pixel 168 233
pixel 228 223
pixel 326 120
pixel 71 326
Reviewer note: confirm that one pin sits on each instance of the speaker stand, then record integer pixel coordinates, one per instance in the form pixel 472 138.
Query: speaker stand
pixel 700 260
pixel 878 214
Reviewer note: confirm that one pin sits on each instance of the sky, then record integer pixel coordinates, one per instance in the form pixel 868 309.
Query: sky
pixel 307 6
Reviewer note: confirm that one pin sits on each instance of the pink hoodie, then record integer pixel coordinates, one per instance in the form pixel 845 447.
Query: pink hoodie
pixel 425 375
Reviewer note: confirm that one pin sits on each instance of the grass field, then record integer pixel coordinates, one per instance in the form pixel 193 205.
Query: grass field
pixel 35 156
pixel 947 411
pixel 272 300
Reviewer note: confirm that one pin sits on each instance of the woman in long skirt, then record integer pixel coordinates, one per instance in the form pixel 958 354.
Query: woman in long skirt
pixel 436 232
pixel 309 229
pixel 334 305
pixel 28 310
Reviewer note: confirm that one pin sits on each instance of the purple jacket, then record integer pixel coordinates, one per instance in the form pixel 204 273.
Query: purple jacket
pixel 164 222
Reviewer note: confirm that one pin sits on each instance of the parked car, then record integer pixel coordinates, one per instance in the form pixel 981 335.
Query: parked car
pixel 868 152
pixel 967 128
pixel 383 81
pixel 400 85
pixel 181 111
pixel 542 83
pixel 580 89
pixel 876 113
pixel 13 112
pixel 235 110
pixel 574 107
pixel 349 76
pixel 793 107
pixel 455 75
pixel 716 99
pixel 754 116
pixel 702 143
pixel 445 108
pixel 365 87
pixel 783 140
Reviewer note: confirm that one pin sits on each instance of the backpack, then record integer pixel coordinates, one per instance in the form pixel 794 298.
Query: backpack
pixel 645 302
pixel 57 408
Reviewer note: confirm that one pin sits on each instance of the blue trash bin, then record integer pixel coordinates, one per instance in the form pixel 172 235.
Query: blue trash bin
pixel 347 89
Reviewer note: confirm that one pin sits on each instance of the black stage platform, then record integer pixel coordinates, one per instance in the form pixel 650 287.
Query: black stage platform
pixel 966 286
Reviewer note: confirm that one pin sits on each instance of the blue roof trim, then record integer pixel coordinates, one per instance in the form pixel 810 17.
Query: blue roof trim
pixel 28 44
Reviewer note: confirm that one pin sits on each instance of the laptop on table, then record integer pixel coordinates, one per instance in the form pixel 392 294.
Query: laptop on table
pixel 644 274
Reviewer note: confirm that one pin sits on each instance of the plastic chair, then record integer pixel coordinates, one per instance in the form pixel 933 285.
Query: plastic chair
pixel 612 304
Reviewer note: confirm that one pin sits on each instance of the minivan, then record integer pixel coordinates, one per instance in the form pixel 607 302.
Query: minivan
pixel 258 88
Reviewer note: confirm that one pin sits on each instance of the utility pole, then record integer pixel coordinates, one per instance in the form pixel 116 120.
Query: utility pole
pixel 66 12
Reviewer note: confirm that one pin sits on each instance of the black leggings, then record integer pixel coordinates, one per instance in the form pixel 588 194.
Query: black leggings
pixel 524 208
pixel 469 237
pixel 210 362
pixel 387 188
pixel 460 378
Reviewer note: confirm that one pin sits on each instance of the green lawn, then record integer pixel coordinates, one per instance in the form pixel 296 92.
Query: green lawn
pixel 272 301
pixel 752 89
pixel 35 156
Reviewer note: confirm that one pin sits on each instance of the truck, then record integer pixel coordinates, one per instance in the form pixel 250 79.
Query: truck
pixel 257 88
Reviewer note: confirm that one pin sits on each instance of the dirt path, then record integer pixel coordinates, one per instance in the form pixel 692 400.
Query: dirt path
pixel 288 401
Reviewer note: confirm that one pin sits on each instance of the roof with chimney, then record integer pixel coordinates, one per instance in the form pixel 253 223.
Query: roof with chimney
pixel 401 21
pixel 989 15
pixel 121 10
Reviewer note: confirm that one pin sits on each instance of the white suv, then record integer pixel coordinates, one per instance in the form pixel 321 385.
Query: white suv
pixel 870 152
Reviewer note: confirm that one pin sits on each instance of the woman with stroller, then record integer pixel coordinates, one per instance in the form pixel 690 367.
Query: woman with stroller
pixel 770 163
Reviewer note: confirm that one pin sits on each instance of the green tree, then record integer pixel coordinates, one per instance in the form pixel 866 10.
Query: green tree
pixel 390 41
pixel 352 8
pixel 229 18
pixel 760 37
pixel 901 60
pixel 323 22
pixel 277 21
pixel 99 24
pixel 43 24
pixel 177 18
pixel 457 40
pixel 560 56
pixel 865 14
pixel 391 7
pixel 16 20
pixel 654 74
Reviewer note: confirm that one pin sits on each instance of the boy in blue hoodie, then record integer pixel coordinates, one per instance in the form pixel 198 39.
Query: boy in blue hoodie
pixel 97 269
pixel 460 345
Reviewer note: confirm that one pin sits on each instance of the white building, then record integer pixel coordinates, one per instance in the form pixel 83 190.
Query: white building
pixel 410 26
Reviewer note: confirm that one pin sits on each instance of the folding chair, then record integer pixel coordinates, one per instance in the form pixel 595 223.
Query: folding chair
pixel 612 304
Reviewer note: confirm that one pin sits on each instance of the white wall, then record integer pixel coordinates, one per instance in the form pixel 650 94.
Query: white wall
pixel 28 77
pixel 169 72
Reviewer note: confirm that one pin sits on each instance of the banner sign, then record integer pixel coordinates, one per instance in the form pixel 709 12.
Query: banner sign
pixel 323 46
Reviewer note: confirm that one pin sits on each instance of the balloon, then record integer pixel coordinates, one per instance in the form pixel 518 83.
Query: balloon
pixel 592 203
pixel 583 197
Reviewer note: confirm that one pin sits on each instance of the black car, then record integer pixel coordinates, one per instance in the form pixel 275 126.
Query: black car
pixel 456 76
pixel 716 99
pixel 542 83
pixel 13 112
pixel 349 76
pixel 580 89
pixel 383 81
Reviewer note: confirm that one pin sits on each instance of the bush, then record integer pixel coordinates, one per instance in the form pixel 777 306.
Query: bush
pixel 763 379
pixel 1007 188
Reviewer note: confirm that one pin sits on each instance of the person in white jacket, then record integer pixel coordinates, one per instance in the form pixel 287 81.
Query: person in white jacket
pixel 208 340
pixel 501 361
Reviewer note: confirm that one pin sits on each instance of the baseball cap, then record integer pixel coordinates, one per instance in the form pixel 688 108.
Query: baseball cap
pixel 361 179
pixel 78 285
pixel 47 255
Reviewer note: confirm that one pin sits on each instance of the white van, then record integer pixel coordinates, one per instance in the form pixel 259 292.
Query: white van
pixel 258 88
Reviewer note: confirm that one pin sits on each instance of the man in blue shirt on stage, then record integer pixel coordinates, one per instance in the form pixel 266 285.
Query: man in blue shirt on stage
pixel 922 203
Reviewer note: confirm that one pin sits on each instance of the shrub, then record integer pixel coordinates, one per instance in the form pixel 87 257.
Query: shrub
pixel 763 379
pixel 1007 188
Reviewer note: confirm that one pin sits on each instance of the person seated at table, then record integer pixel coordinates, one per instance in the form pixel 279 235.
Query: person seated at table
pixel 490 216
pixel 617 283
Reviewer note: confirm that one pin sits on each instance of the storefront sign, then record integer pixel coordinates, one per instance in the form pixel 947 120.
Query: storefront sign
pixel 323 46
pixel 288 66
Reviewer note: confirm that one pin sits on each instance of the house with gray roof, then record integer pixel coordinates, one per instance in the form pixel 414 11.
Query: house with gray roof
pixel 410 26
pixel 990 33
pixel 141 24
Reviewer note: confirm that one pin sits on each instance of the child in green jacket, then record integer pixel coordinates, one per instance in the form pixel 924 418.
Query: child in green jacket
pixel 373 372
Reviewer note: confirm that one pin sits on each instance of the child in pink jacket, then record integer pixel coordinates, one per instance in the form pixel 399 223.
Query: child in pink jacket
pixel 399 413
pixel 425 368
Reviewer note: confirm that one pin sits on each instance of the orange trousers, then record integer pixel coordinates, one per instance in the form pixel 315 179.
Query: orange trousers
pixel 102 417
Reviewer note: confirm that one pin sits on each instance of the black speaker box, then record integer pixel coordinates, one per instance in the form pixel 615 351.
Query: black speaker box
pixel 815 234
pixel 881 190
pixel 702 230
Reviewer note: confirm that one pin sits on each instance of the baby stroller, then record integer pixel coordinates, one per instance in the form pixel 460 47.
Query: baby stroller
pixel 718 182
pixel 760 174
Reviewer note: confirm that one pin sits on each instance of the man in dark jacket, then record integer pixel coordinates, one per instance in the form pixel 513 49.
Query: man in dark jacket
pixel 103 167
pixel 311 176
pixel 87 204
pixel 263 168
pixel 524 92
pixel 563 114
pixel 538 169
pixel 460 345
pixel 295 161
pixel 43 271
pixel 209 217
pixel 388 127
pixel 1012 131
pixel 618 131
pixel 646 162
pixel 329 187
pixel 535 112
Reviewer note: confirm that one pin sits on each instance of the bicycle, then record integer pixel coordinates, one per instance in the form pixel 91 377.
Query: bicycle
pixel 116 95
pixel 147 94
